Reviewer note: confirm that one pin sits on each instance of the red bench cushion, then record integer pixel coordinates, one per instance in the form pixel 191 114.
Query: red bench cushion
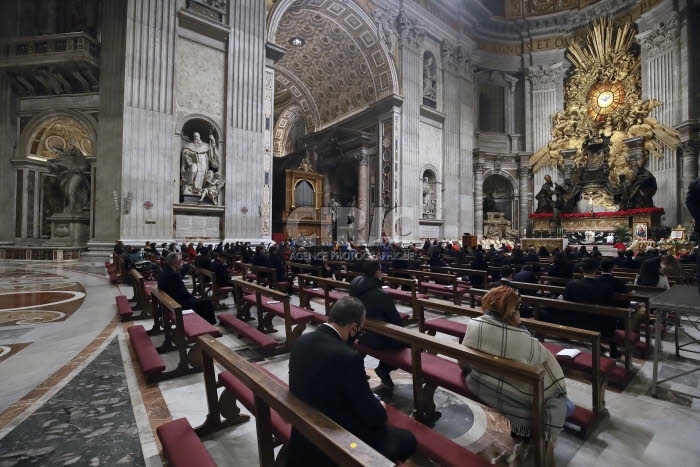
pixel 196 326
pixel 583 361
pixel 263 340
pixel 446 374
pixel 446 326
pixel 432 444
pixel 400 358
pixel 123 307
pixel 182 446
pixel 147 286
pixel 146 352
pixel 297 314
pixel 399 294
pixel 333 295
pixel 244 394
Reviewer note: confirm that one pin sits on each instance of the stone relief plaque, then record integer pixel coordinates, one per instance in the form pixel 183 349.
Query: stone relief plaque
pixel 192 227
pixel 429 231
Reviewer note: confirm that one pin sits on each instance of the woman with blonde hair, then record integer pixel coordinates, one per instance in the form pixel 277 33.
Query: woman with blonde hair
pixel 499 332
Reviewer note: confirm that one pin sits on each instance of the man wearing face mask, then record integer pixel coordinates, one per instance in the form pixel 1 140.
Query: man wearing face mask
pixel 329 375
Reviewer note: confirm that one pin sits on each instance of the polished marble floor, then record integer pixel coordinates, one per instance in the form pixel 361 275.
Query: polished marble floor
pixel 68 380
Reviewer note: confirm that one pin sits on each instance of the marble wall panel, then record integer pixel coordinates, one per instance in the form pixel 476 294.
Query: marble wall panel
pixel 431 157
pixel 200 79
pixel 8 134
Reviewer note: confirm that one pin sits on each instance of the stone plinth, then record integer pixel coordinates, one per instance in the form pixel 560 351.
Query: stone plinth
pixel 69 229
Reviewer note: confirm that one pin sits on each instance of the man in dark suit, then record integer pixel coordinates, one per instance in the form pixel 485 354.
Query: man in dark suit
pixel 590 290
pixel 380 307
pixel 170 282
pixel 329 375
pixel 218 267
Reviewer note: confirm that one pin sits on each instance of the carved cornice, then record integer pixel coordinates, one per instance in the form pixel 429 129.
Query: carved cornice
pixel 411 34
pixel 545 77
pixel 662 39
pixel 457 59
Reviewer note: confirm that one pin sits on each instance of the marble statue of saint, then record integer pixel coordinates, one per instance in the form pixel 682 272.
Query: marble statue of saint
pixel 73 172
pixel 198 158
pixel 429 78
pixel 334 210
pixel 489 203
pixel 544 196
pixel 622 197
pixel 429 199
pixel 212 187
pixel 568 197
pixel 643 188
pixel 493 231
pixel 509 232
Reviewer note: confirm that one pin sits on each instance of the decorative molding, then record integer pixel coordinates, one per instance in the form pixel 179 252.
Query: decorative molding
pixel 385 27
pixel 479 167
pixel 662 39
pixel 524 172
pixel 457 59
pixel 545 77
pixel 411 34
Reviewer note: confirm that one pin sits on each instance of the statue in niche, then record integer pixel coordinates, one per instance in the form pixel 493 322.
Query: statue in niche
pixel 429 78
pixel 197 159
pixel 429 199
pixel 568 197
pixel 643 187
pixel 334 210
pixel 489 203
pixel 72 170
pixel 544 196
pixel 212 187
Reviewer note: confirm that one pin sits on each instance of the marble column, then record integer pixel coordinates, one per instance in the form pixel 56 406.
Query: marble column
pixel 245 122
pixel 479 198
pixel 411 37
pixel 362 157
pixel 524 174
pixel 690 150
pixel 8 175
pixel 661 81
pixel 544 84
pixel 110 143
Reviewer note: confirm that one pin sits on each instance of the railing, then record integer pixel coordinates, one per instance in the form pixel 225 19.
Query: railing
pixel 53 44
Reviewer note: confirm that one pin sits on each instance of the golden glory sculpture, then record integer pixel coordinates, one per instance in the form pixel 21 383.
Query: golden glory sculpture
pixel 604 98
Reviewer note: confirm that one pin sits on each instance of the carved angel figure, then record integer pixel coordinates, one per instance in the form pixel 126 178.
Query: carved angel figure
pixel 212 187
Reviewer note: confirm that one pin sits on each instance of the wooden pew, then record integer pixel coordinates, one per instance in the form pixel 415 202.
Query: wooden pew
pixel 270 303
pixel 634 296
pixel 270 397
pixel 181 333
pixel 142 294
pixel 431 371
pixel 442 285
pixel 583 419
pixel 210 288
pixel 293 269
pixel 623 314
pixel 394 288
pixel 327 289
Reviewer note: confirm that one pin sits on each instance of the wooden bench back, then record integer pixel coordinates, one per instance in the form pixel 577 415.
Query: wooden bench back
pixel 304 267
pixel 479 361
pixel 539 328
pixel 271 273
pixel 538 303
pixel 337 443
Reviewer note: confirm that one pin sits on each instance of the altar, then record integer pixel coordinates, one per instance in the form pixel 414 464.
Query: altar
pixel 549 243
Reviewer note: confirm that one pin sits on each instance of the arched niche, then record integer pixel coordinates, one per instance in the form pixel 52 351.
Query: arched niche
pixel 201 161
pixel 430 197
pixel 47 187
pixel 504 191
pixel 430 80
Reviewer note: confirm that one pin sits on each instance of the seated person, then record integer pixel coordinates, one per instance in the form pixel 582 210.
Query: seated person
pixel 606 266
pixel 203 259
pixel 219 267
pixel 531 256
pixel 328 374
pixel 590 290
pixel 650 275
pixel 543 253
pixel 499 332
pixel 526 274
pixel 380 307
pixel 670 266
pixel 561 267
pixel 478 263
pixel 170 282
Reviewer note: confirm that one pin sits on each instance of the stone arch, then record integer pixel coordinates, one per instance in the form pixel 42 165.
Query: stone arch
pixel 513 182
pixel 183 121
pixel 342 62
pixel 41 122
pixel 509 191
pixel 286 127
